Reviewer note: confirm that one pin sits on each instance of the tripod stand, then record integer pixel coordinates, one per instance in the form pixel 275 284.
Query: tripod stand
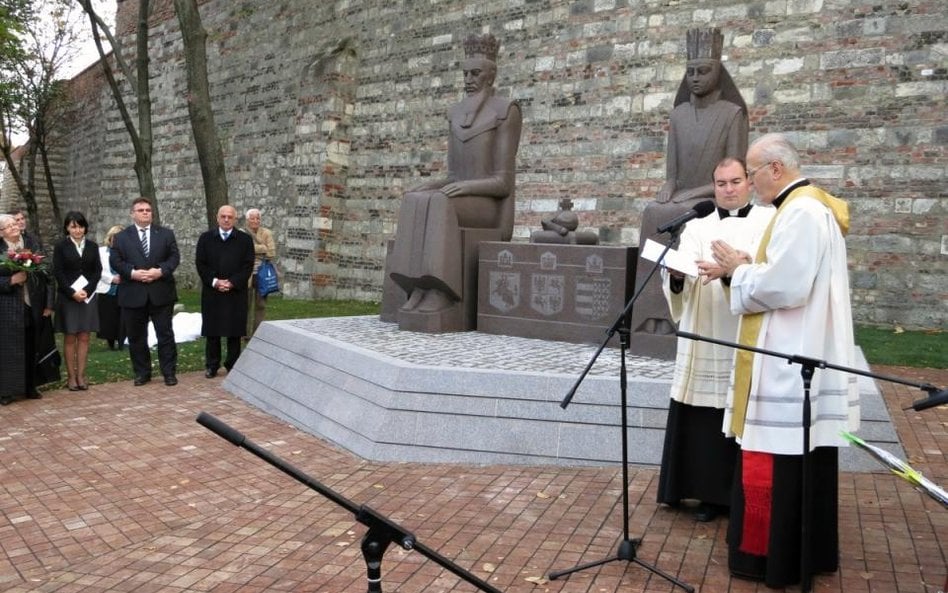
pixel 382 531
pixel 627 546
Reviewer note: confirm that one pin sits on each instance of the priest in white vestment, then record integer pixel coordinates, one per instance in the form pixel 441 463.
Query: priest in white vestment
pixel 698 459
pixel 794 299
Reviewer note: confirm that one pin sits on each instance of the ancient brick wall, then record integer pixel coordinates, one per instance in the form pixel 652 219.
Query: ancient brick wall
pixel 330 110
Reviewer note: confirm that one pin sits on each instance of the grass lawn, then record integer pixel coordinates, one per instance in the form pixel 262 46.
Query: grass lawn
pixel 880 345
pixel 107 366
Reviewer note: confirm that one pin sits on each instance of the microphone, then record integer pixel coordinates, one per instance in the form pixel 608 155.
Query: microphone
pixel 700 210
pixel 938 398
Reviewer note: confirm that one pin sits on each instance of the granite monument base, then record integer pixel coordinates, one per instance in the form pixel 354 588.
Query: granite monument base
pixel 470 397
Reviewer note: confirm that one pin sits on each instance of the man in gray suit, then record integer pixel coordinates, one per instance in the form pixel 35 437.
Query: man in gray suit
pixel 145 257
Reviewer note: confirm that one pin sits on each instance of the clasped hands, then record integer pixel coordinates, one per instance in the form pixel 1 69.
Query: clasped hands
pixel 222 285
pixel 726 260
pixel 146 276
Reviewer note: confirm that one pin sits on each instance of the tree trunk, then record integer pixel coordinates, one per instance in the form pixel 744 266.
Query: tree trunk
pixel 141 138
pixel 42 138
pixel 146 182
pixel 210 153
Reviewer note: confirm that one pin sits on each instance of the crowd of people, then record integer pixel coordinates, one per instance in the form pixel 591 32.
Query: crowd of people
pixel 115 291
pixel 771 275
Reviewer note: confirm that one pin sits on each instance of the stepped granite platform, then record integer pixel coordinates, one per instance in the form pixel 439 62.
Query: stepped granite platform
pixel 469 397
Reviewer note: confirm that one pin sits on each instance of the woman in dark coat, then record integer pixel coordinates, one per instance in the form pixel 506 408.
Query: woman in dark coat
pixel 77 269
pixel 25 300
pixel 111 328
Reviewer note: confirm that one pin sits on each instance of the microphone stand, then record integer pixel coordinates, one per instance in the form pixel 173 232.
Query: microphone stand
pixel 382 531
pixel 627 547
pixel 808 367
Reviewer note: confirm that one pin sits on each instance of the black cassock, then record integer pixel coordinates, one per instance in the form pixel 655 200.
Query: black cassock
pixel 224 314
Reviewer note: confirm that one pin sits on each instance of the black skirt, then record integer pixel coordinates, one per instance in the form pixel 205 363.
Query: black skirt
pixel 781 566
pixel 74 318
pixel 697 461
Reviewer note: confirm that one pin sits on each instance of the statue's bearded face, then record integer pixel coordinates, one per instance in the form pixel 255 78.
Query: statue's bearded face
pixel 478 75
pixel 703 76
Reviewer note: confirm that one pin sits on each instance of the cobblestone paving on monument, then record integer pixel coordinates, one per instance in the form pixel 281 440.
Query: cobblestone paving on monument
pixel 474 350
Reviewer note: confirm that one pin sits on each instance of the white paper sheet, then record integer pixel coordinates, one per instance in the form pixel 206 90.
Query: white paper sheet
pixel 79 284
pixel 652 250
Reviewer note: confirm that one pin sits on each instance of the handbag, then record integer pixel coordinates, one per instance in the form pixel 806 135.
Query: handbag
pixel 267 281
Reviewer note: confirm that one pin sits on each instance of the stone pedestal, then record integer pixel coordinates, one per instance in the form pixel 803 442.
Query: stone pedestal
pixel 570 293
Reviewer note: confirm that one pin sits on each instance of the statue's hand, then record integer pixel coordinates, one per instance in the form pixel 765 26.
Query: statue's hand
pixel 664 195
pixel 452 189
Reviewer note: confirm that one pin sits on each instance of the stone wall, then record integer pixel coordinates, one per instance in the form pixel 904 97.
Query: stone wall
pixel 330 110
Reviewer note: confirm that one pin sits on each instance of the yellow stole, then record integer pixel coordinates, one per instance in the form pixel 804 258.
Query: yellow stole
pixel 751 322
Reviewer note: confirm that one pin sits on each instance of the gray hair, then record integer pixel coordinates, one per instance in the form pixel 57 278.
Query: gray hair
pixel 776 147
pixel 6 220
pixel 252 211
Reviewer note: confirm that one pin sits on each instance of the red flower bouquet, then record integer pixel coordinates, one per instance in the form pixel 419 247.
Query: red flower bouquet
pixel 24 260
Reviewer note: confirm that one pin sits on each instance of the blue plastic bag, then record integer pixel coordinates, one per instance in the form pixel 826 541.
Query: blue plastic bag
pixel 267 281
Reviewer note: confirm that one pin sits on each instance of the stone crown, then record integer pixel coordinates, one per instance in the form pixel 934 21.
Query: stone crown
pixel 481 45
pixel 704 44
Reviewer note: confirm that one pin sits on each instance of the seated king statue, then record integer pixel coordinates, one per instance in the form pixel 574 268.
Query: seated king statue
pixel 478 192
pixel 708 123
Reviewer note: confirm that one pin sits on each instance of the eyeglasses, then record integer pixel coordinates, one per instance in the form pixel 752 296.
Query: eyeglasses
pixel 752 172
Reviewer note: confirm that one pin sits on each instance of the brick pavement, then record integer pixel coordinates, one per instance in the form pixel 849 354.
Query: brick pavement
pixel 118 489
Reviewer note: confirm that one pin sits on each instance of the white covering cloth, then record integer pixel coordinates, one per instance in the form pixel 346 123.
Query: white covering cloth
pixel 803 290
pixel 703 369
pixel 187 328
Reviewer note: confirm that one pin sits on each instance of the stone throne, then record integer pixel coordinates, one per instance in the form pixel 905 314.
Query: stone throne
pixel 431 268
pixel 708 123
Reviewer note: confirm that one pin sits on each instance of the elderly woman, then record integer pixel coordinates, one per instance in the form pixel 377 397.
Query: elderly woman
pixel 77 269
pixel 24 303
pixel 111 328
pixel 264 247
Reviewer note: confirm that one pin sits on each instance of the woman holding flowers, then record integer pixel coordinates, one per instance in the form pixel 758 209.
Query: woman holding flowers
pixel 25 299
pixel 77 268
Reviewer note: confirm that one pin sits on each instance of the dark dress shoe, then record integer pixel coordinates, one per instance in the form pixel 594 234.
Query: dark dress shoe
pixel 34 395
pixel 83 387
pixel 171 380
pixel 6 401
pixel 706 513
pixel 139 381
pixel 210 373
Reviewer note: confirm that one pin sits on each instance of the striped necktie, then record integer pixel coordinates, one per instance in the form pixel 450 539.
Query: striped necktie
pixel 144 241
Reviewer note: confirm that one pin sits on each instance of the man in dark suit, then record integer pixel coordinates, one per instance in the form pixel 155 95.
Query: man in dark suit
pixel 145 257
pixel 224 261
pixel 19 214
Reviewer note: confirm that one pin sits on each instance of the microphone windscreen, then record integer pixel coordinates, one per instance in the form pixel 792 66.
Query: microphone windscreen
pixel 704 208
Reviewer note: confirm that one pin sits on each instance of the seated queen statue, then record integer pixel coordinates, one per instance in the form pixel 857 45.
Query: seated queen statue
pixel 478 192
pixel 708 123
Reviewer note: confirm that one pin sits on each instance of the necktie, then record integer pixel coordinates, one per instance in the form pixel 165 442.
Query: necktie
pixel 225 234
pixel 144 241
